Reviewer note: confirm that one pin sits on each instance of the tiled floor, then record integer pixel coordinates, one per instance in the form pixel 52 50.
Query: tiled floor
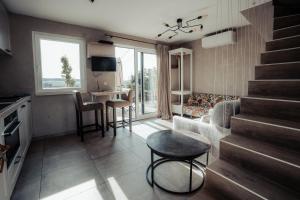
pixel 100 168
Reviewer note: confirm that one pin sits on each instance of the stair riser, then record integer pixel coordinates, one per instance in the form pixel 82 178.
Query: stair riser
pixel 280 172
pixel 283 44
pixel 280 11
pixel 268 133
pixel 227 188
pixel 291 55
pixel 273 89
pixel 286 21
pixel 288 32
pixel 286 71
pixel 285 110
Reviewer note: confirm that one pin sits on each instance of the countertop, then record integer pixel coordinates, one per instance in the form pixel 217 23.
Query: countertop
pixel 14 105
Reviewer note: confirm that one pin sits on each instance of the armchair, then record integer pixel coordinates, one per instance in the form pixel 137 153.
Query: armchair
pixel 212 127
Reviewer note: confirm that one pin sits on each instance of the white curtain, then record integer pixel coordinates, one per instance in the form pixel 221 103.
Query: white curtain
pixel 164 91
pixel 119 74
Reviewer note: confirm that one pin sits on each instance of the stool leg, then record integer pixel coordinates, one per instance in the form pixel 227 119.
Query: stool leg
pixel 107 120
pixel 130 118
pixel 123 117
pixel 96 120
pixel 102 123
pixel 115 121
pixel 81 126
pixel 77 123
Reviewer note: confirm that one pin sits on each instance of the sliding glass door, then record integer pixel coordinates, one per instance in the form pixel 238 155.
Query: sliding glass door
pixel 147 84
pixel 138 71
pixel 125 74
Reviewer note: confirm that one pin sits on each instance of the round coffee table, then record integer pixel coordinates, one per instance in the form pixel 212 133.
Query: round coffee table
pixel 173 146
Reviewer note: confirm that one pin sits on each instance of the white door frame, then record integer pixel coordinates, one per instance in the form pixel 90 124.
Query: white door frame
pixel 138 116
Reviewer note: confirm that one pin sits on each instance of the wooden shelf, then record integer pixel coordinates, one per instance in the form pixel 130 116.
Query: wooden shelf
pixel 181 92
pixel 178 92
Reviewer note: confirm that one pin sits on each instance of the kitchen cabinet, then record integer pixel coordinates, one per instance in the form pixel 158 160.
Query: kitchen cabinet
pixel 15 131
pixel 24 114
pixel 5 46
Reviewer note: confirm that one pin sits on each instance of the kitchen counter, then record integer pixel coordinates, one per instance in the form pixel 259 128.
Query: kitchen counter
pixel 13 104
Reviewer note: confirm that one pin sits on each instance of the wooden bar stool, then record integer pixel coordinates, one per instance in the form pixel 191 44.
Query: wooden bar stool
pixel 81 107
pixel 126 101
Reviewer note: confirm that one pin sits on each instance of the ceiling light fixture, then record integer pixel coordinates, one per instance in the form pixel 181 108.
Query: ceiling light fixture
pixel 180 27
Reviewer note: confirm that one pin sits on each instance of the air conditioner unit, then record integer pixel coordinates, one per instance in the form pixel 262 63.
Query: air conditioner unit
pixel 219 39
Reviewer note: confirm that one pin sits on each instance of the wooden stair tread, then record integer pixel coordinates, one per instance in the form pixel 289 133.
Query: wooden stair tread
pixel 275 97
pixel 285 89
pixel 281 56
pixel 286 21
pixel 272 151
pixel 283 43
pixel 290 71
pixel 252 182
pixel 286 32
pixel 287 16
pixel 272 121
pixel 272 64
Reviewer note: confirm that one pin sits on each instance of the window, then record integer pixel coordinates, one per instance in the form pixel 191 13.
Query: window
pixel 59 64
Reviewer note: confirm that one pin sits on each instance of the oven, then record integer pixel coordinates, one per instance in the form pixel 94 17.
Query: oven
pixel 11 135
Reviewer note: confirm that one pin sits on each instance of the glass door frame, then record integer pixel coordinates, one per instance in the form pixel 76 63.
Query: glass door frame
pixel 138 108
pixel 138 116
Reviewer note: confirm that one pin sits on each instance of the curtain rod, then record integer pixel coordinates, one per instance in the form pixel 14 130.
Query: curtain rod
pixel 112 36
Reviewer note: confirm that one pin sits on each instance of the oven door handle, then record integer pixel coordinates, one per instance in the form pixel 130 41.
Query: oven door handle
pixel 13 131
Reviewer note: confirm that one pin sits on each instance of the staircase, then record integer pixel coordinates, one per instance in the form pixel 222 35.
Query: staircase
pixel 261 158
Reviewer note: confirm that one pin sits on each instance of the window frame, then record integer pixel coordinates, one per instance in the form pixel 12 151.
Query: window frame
pixel 39 90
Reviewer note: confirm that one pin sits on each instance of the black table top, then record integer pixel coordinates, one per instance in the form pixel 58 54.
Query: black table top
pixel 172 144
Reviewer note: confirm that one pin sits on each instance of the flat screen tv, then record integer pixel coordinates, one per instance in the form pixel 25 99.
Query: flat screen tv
pixel 104 63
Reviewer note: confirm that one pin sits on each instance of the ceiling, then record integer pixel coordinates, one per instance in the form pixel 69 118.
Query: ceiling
pixel 142 18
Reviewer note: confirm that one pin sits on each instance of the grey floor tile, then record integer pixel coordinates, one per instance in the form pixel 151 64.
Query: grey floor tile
pixel 99 192
pixel 118 164
pixel 28 191
pixel 62 144
pixel 131 185
pixel 31 170
pixel 65 160
pixel 70 181
pixel 104 147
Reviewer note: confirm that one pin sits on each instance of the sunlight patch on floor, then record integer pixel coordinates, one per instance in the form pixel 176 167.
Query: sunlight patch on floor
pixel 143 130
pixel 73 191
pixel 116 189
pixel 165 123
pixel 154 125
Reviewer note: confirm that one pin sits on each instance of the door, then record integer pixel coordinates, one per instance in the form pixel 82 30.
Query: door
pixel 147 84
pixel 125 74
pixel 139 73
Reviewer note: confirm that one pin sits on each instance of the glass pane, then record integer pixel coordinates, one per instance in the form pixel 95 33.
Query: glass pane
pixel 140 82
pixel 125 76
pixel 60 64
pixel 147 69
pixel 150 83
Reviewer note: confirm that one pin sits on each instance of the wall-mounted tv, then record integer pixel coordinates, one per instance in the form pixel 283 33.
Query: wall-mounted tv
pixel 103 63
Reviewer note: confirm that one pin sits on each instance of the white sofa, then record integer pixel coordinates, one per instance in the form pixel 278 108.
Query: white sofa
pixel 209 128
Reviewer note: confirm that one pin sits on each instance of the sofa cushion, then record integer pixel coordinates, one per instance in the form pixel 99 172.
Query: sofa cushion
pixel 199 103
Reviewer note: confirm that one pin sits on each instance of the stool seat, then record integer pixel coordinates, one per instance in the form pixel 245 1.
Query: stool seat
pixel 118 103
pixel 87 106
